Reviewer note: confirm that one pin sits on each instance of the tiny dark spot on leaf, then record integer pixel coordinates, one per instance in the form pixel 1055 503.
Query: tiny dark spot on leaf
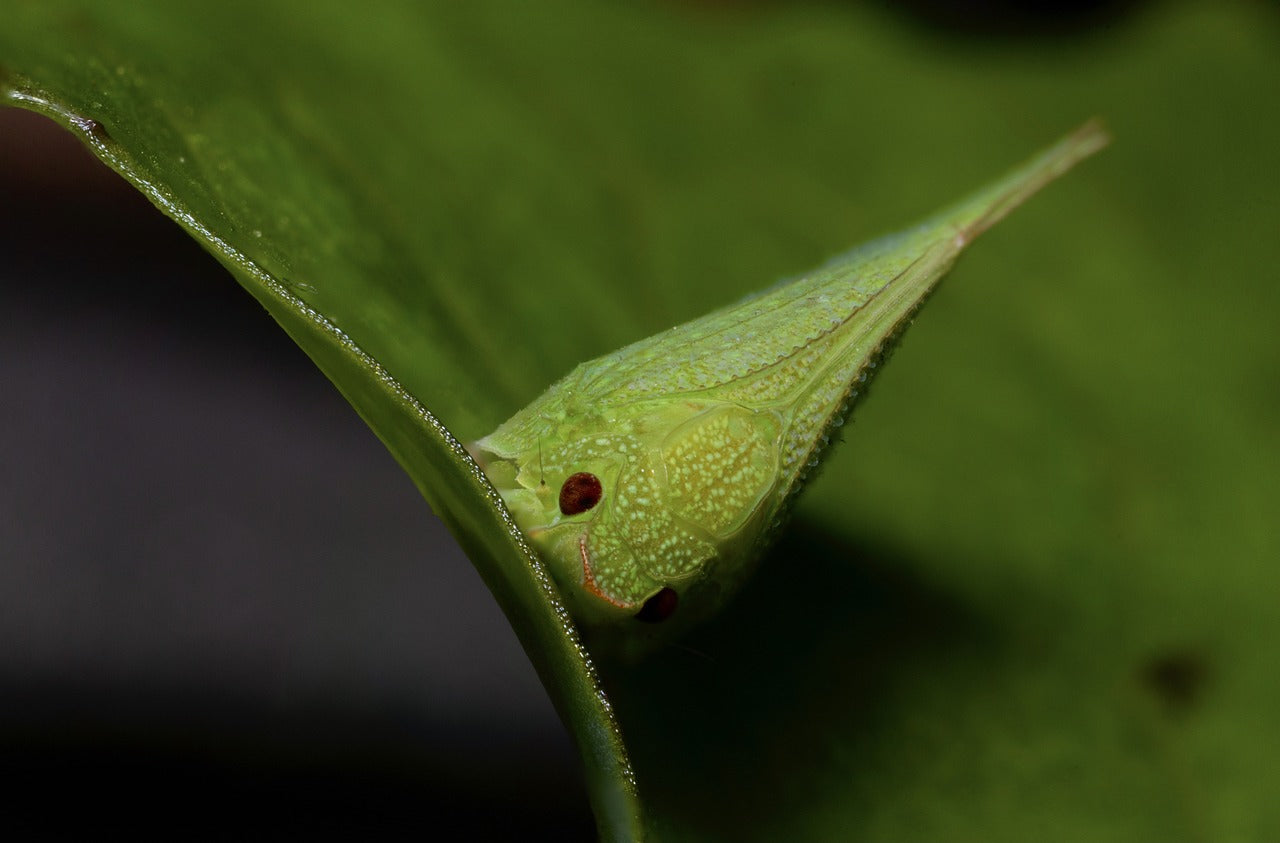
pixel 1177 678
pixel 580 493
pixel 659 607
pixel 92 127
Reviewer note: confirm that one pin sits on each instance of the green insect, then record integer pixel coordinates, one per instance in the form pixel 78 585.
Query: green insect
pixel 651 479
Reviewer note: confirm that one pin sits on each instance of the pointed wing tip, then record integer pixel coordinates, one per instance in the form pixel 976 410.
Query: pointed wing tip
pixel 994 203
pixel 1090 137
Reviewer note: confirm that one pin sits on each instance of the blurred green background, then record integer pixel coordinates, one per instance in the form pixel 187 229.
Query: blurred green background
pixel 1033 594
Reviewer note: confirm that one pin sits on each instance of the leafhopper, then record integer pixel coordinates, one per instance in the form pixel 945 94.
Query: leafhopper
pixel 651 479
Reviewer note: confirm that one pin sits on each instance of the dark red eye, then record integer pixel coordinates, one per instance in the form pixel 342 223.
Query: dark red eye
pixel 579 493
pixel 659 607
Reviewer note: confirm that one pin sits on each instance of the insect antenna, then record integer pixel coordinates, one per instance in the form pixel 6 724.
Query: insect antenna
pixel 542 477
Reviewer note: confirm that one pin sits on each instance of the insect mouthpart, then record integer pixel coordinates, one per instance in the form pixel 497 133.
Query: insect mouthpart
pixel 659 607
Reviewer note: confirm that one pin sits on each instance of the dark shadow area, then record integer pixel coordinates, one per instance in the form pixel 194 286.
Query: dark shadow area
pixel 1012 20
pixel 816 637
pixel 977 20
pixel 197 763
pixel 224 610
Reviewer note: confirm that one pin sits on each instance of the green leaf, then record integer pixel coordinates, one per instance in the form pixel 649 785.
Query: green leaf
pixel 1033 595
